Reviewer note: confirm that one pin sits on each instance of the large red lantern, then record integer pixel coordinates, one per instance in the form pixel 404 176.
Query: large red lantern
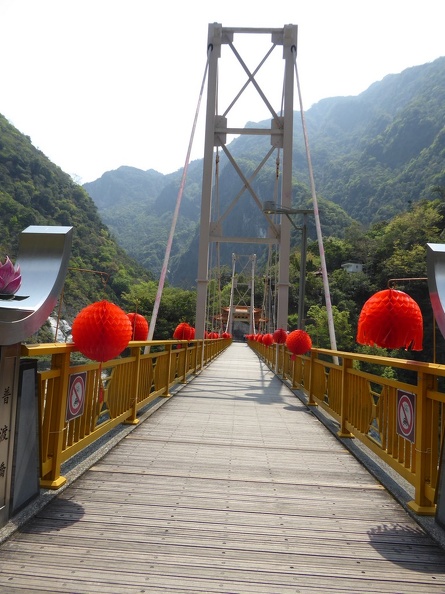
pixel 298 342
pixel 391 319
pixel 279 336
pixel 101 331
pixel 139 326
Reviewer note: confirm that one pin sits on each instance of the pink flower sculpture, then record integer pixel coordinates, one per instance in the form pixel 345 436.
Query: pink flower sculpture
pixel 10 277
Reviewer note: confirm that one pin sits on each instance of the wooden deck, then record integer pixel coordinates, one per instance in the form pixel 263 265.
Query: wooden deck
pixel 233 486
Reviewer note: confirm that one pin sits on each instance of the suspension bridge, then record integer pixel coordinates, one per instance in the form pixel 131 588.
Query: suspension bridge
pixel 226 466
pixel 233 485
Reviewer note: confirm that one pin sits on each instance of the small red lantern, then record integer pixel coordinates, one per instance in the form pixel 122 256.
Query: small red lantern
pixel 279 336
pixel 101 331
pixel 298 342
pixel 139 326
pixel 391 319
pixel 183 331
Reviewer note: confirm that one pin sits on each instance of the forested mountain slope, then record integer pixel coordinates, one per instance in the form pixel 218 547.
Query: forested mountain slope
pixel 34 191
pixel 373 155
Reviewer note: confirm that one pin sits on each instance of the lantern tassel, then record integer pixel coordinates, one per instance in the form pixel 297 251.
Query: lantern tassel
pixel 101 385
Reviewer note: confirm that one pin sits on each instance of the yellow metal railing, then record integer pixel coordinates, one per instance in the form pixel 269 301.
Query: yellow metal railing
pixel 113 392
pixel 369 407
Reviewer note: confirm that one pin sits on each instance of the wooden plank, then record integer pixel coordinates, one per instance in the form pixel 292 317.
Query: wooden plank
pixel 232 486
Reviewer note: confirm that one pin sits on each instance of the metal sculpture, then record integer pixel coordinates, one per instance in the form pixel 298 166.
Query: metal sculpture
pixel 42 261
pixel 43 257
pixel 436 281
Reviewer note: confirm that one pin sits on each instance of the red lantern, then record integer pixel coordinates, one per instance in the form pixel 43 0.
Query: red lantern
pixel 182 331
pixel 267 339
pixel 139 326
pixel 391 319
pixel 298 342
pixel 279 336
pixel 101 331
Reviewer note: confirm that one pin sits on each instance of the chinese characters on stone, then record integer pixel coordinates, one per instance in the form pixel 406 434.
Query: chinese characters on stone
pixel 4 429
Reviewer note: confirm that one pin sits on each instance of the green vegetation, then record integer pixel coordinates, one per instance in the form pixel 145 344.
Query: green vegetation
pixel 177 305
pixel 379 170
pixel 34 191
pixel 373 156
pixel 388 251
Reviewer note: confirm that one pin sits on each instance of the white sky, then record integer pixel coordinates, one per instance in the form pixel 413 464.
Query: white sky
pixel 98 84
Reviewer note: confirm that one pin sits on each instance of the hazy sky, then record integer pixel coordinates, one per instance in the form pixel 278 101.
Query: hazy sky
pixel 98 84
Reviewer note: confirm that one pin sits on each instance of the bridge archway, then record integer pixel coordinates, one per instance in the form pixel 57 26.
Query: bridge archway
pixel 212 224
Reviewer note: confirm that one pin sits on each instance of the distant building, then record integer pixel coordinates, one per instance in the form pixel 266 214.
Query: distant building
pixel 352 267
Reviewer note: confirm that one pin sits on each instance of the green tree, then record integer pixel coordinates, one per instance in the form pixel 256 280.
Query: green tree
pixel 177 305
pixel 318 329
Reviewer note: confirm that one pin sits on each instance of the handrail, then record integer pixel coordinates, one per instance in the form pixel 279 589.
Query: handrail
pixel 367 406
pixel 113 392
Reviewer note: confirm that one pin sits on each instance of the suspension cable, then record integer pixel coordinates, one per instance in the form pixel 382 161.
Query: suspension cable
pixel 218 252
pixel 210 296
pixel 317 218
pixel 267 297
pixel 157 302
pixel 213 304
pixel 230 316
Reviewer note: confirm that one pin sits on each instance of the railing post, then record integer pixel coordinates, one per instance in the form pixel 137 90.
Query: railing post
pixel 132 419
pixel 205 347
pixel 200 346
pixel 295 361
pixel 195 362
pixel 421 504
pixel 310 400
pixel 345 395
pixel 53 480
pixel 169 349
pixel 186 357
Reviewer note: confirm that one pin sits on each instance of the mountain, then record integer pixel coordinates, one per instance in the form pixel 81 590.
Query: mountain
pixel 377 153
pixel 138 205
pixel 34 191
pixel 373 155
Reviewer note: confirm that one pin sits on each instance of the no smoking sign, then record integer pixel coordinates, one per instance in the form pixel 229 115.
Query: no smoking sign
pixel 406 420
pixel 76 396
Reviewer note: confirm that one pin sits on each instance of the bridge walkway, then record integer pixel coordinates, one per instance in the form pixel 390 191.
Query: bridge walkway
pixel 233 486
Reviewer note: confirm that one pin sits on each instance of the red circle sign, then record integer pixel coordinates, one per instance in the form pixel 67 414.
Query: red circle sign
pixel 76 396
pixel 405 414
